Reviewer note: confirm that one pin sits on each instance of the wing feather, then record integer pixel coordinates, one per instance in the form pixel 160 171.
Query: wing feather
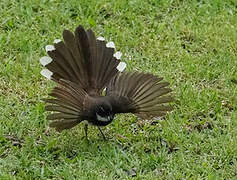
pixel 67 105
pixel 140 93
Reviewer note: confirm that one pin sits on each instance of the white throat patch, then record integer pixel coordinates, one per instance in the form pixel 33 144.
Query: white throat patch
pixel 103 119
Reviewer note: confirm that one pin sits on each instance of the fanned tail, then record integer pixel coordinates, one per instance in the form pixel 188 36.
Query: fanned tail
pixel 82 59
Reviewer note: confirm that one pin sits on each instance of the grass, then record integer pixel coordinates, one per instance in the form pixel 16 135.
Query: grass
pixel 192 44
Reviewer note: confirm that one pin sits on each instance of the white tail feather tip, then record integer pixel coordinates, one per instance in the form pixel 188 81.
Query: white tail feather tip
pixel 57 41
pixel 121 66
pixel 46 73
pixel 110 45
pixel 100 38
pixel 49 48
pixel 118 55
pixel 45 60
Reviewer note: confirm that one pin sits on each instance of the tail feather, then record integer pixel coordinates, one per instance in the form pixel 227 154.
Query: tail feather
pixel 101 51
pixel 92 49
pixel 83 59
pixel 60 65
pixel 112 71
pixel 78 62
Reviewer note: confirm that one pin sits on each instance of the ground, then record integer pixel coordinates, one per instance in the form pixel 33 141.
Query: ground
pixel 192 44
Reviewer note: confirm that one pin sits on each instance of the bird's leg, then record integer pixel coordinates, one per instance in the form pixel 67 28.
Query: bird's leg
pixel 101 133
pixel 86 130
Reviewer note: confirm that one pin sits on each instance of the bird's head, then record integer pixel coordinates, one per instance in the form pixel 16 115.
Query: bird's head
pixel 103 113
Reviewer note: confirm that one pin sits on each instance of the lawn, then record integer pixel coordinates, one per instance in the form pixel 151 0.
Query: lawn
pixel 192 44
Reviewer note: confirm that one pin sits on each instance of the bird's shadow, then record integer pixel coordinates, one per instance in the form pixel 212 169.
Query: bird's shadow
pixel 72 144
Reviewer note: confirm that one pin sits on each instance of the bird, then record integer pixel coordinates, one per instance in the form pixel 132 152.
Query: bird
pixel 92 86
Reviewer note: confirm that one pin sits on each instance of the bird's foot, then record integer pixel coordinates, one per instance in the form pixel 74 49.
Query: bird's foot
pixel 104 137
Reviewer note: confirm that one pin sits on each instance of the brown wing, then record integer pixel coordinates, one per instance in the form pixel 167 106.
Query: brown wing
pixel 83 59
pixel 139 93
pixel 67 105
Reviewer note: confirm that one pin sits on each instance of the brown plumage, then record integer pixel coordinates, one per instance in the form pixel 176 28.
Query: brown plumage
pixel 82 66
pixel 141 94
